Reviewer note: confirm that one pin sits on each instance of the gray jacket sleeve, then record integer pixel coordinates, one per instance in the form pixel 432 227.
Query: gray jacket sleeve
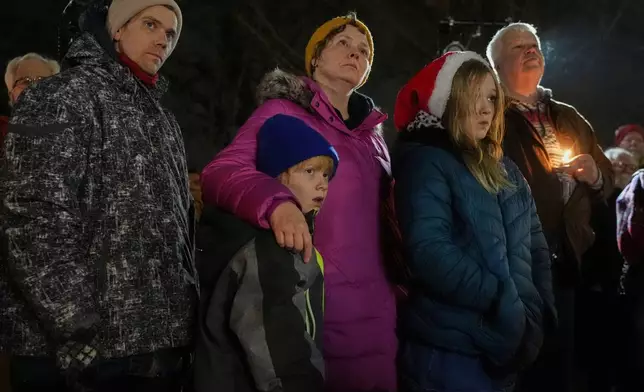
pixel 273 317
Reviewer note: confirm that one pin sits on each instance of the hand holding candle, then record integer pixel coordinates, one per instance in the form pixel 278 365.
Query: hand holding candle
pixel 582 167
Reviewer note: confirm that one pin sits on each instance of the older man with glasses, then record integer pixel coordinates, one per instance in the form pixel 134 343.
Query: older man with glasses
pixel 26 70
pixel 557 151
pixel 22 72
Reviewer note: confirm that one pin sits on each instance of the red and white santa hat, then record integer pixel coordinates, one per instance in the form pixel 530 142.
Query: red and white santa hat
pixel 432 85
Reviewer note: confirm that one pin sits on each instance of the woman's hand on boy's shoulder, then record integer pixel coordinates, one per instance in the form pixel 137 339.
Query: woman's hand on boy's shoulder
pixel 291 230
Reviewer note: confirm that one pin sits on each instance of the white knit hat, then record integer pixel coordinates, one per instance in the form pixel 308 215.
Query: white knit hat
pixel 121 11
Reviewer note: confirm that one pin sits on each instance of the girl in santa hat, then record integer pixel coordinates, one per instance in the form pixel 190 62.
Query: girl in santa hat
pixel 482 287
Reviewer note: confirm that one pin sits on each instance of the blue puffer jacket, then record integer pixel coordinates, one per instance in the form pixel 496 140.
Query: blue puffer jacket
pixel 480 263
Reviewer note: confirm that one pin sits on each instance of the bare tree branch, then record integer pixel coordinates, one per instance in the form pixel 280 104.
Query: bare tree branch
pixel 269 26
pixel 261 38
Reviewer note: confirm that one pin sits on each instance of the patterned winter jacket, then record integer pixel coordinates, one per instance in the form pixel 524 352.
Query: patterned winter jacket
pixel 95 213
pixel 4 123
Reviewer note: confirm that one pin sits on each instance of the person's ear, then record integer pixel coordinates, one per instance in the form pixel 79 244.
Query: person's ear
pixel 118 34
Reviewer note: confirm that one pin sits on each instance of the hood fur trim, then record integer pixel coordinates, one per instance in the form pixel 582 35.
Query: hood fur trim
pixel 279 84
pixel 379 129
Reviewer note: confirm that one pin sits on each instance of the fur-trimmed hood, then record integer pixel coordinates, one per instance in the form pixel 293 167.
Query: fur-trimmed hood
pixel 279 84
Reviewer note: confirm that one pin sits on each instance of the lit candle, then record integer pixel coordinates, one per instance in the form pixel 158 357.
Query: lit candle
pixel 567 154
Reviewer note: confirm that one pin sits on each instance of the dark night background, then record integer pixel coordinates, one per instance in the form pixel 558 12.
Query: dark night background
pixel 592 50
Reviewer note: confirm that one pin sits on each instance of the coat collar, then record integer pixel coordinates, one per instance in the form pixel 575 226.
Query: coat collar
pixel 308 94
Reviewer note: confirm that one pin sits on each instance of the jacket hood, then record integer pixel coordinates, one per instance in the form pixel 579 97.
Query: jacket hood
pixel 92 24
pixel 429 135
pixel 278 84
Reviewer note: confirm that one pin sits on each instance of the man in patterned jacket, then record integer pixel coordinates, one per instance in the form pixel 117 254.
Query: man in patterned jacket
pixel 98 291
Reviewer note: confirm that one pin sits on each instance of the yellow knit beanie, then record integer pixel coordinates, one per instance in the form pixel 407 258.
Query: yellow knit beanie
pixel 323 31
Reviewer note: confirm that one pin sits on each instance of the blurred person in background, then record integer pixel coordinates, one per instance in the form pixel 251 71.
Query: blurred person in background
pixel 630 237
pixel 631 138
pixel 599 332
pixel 22 72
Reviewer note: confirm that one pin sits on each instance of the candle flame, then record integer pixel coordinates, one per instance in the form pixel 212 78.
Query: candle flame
pixel 566 156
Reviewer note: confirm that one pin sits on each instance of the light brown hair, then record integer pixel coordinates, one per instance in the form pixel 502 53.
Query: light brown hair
pixel 483 157
pixel 353 21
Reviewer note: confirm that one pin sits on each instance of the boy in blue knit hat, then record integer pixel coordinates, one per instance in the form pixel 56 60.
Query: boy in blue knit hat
pixel 260 321
pixel 298 156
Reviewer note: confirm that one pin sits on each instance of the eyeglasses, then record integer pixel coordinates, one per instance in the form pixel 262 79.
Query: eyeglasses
pixel 624 166
pixel 27 81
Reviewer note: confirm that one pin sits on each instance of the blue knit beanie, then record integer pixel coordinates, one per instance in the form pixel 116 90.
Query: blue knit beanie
pixel 284 141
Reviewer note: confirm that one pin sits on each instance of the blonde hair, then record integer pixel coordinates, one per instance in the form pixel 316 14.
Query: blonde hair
pixel 494 48
pixel 12 67
pixel 483 157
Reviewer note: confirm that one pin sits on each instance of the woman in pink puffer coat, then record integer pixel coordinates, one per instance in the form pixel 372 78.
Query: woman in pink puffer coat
pixel 360 311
